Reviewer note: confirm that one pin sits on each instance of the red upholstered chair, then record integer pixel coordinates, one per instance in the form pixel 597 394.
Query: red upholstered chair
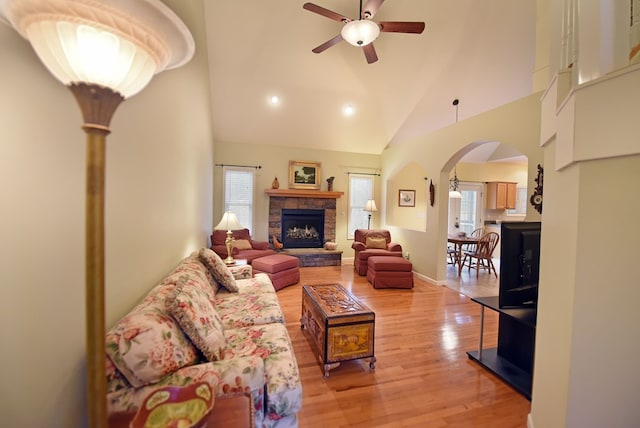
pixel 372 242
pixel 243 246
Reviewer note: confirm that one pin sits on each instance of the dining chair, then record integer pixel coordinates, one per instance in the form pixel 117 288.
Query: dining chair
pixel 478 233
pixel 452 253
pixel 482 254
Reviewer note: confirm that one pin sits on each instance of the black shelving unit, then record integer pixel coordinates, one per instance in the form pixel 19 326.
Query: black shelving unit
pixel 512 360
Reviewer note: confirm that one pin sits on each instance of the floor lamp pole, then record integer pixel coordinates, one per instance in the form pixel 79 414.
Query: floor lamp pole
pixel 97 104
pixel 369 223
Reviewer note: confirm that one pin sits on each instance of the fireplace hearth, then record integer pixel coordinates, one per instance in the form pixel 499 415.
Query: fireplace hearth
pixel 302 228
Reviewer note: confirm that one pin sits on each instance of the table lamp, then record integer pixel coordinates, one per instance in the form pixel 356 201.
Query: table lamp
pixel 370 207
pixel 229 222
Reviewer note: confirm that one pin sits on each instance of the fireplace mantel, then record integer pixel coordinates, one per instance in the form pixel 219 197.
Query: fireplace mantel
pixel 303 193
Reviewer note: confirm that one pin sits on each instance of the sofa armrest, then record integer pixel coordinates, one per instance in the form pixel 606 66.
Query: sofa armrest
pixel 227 377
pixel 393 246
pixel 260 245
pixel 358 246
pixel 241 271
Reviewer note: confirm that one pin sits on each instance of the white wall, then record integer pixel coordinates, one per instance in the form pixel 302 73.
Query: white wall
pixel 158 208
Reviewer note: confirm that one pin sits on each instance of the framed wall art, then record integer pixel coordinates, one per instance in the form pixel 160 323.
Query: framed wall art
pixel 304 175
pixel 406 198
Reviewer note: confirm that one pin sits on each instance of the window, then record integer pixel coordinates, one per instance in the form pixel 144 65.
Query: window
pixel 238 193
pixel 521 202
pixel 360 191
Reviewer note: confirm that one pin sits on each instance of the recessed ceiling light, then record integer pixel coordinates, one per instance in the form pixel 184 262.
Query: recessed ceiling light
pixel 274 100
pixel 348 110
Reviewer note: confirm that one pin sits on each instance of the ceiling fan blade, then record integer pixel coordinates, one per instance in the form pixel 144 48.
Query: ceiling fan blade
pixel 370 53
pixel 326 45
pixel 371 8
pixel 325 12
pixel 402 27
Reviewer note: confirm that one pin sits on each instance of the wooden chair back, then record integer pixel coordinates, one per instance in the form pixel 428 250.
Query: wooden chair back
pixel 487 245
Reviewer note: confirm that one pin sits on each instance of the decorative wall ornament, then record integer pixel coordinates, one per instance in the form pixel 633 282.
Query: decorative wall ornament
pixel 432 193
pixel 536 196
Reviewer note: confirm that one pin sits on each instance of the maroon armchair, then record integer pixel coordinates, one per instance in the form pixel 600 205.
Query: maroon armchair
pixel 243 246
pixel 371 242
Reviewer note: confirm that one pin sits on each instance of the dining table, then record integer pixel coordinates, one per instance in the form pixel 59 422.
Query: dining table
pixel 459 241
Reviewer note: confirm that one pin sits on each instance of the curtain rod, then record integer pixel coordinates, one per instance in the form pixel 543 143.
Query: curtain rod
pixel 363 173
pixel 241 166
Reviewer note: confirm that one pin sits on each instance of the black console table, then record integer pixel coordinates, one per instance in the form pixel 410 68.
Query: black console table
pixel 512 360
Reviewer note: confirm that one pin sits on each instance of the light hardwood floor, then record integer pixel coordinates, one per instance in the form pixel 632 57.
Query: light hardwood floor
pixel 423 377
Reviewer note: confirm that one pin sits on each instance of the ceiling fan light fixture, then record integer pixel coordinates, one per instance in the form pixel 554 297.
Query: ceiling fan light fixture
pixel 360 32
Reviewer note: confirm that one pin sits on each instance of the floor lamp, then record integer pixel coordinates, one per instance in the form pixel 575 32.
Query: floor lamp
pixel 104 52
pixel 371 208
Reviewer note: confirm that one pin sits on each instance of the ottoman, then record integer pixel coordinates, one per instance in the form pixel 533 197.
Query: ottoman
pixel 389 272
pixel 282 269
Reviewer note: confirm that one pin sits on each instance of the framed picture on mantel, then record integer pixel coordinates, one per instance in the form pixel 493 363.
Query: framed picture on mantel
pixel 304 175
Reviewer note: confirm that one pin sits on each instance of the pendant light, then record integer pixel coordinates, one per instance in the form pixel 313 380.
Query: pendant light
pixel 454 193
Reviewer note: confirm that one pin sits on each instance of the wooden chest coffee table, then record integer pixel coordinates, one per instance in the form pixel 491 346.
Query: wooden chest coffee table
pixel 341 328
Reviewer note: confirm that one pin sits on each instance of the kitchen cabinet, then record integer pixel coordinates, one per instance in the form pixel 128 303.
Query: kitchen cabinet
pixel 501 195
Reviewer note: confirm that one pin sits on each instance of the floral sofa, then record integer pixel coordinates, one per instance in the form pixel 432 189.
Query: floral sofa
pixel 206 322
pixel 243 246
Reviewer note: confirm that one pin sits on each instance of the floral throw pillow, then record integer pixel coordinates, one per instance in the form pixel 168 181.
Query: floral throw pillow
pixel 218 269
pixel 193 310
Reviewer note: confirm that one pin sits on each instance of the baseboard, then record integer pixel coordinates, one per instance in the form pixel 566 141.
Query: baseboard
pixel 428 279
pixel 529 421
pixel 348 260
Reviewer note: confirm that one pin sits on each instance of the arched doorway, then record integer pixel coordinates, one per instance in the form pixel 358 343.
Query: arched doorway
pixel 476 165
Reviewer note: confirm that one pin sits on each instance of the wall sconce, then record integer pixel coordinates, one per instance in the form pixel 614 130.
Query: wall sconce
pixel 104 52
pixel 371 208
pixel 229 222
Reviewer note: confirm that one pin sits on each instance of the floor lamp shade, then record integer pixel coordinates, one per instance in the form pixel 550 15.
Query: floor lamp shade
pixel 370 206
pixel 104 51
pixel 120 44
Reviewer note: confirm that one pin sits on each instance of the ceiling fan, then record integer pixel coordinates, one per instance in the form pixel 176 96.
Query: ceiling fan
pixel 362 31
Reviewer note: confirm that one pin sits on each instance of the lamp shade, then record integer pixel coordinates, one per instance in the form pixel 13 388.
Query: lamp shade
pixel 454 194
pixel 229 222
pixel 360 32
pixel 371 206
pixel 119 44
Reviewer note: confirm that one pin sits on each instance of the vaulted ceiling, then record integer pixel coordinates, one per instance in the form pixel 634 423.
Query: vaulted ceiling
pixel 480 52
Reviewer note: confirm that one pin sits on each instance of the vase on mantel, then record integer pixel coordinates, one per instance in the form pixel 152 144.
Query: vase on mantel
pixel 275 184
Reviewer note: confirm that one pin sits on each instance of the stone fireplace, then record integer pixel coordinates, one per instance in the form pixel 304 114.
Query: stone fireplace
pixel 279 203
pixel 296 201
pixel 302 228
